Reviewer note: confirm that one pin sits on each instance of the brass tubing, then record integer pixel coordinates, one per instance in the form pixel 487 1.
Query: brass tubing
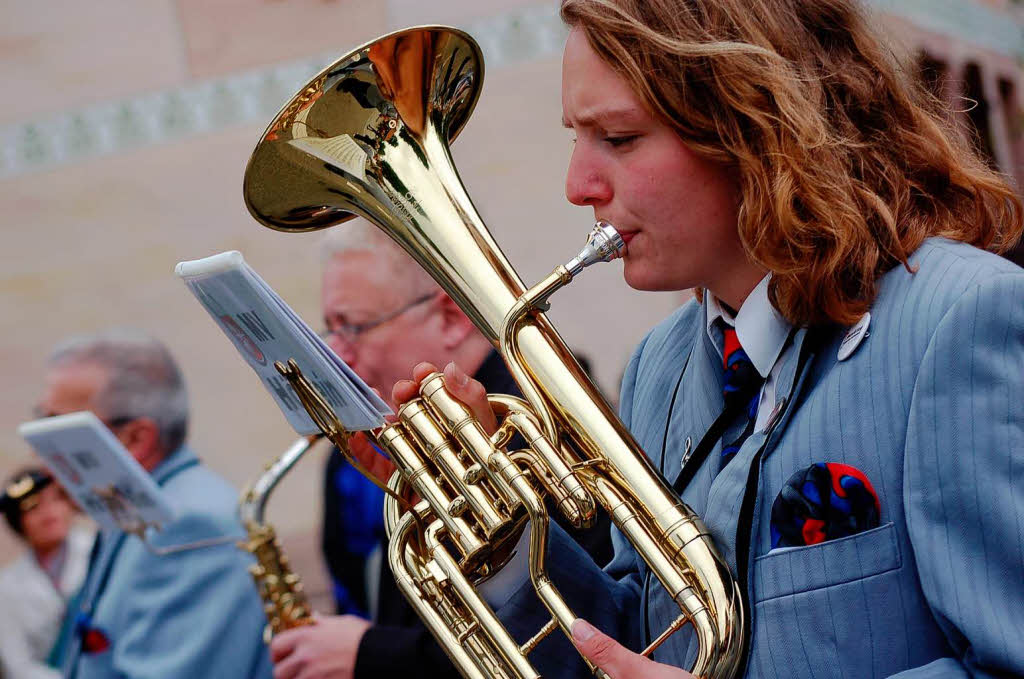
pixel 392 510
pixel 711 597
pixel 676 625
pixel 527 339
pixel 578 504
pixel 542 584
pixel 564 503
pixel 503 641
pixel 635 528
pixel 540 636
pixel 420 477
pixel 713 627
pixel 398 551
pixel 460 421
pixel 421 423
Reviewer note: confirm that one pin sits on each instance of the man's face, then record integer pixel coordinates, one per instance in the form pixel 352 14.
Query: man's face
pixel 676 211
pixel 70 388
pixel 46 524
pixel 356 289
pixel 73 387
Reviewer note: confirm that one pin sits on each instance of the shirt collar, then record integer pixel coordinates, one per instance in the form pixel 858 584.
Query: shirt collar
pixel 172 464
pixel 761 330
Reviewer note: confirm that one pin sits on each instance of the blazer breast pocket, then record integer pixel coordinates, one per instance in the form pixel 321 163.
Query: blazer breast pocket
pixel 792 570
pixel 832 610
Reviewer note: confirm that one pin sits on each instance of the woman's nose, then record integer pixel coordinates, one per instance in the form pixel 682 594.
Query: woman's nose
pixel 585 182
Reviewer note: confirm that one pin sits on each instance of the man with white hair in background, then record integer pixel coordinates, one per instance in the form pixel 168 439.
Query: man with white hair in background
pixel 187 614
pixel 382 314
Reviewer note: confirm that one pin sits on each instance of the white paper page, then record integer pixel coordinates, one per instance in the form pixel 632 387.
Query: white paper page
pixel 89 461
pixel 377 406
pixel 265 329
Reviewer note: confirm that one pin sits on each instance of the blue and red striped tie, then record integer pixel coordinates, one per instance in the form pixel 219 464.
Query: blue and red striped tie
pixel 742 389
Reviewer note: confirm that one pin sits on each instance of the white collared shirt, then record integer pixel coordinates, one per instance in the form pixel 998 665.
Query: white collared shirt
pixel 761 331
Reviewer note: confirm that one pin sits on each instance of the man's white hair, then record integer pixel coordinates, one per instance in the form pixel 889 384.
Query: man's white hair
pixel 143 380
pixel 360 235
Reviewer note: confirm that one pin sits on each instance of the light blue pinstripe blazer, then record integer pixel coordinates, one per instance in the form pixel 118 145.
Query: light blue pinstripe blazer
pixel 930 407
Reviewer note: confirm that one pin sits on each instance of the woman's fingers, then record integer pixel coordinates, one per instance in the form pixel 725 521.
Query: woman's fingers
pixel 407 390
pixel 372 461
pixel 458 383
pixel 472 393
pixel 421 370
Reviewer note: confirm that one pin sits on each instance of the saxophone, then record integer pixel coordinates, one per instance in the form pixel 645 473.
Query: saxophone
pixel 369 137
pixel 284 600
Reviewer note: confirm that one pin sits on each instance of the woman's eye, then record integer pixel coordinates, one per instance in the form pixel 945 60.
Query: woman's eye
pixel 621 140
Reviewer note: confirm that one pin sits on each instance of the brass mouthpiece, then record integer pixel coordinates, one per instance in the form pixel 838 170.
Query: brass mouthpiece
pixel 604 244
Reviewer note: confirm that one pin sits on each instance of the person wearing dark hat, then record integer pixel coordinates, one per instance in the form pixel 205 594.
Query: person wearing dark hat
pixel 35 589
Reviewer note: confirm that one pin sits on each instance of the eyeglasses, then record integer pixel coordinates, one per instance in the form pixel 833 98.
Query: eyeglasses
pixel 112 423
pixel 350 332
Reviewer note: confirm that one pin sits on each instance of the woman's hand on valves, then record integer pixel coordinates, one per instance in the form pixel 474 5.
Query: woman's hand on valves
pixel 458 383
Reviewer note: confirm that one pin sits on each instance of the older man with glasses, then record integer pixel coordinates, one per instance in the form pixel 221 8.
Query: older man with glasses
pixel 187 614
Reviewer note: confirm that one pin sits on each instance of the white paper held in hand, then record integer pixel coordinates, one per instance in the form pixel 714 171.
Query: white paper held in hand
pixel 264 329
pixel 103 477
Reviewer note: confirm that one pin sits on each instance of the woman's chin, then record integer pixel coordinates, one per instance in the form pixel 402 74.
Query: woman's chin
pixel 641 278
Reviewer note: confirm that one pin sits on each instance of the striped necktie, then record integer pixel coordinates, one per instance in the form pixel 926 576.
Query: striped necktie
pixel 741 389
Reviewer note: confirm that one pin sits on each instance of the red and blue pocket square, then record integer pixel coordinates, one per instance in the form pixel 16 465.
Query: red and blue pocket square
pixel 825 501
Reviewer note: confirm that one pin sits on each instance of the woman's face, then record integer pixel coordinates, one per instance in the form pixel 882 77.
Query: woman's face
pixel 46 524
pixel 676 211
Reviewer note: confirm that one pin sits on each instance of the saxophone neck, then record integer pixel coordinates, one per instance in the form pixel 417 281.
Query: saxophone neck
pixel 254 497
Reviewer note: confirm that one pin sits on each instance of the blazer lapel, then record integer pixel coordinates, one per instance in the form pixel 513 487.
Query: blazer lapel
pixel 793 379
pixel 101 562
pixel 696 407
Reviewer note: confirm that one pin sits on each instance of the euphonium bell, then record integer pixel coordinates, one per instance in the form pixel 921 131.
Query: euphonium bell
pixel 369 136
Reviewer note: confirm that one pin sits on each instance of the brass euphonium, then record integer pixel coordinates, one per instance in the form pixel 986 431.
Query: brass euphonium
pixel 369 136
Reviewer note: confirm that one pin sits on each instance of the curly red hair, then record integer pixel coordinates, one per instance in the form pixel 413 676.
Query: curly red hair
pixel 845 163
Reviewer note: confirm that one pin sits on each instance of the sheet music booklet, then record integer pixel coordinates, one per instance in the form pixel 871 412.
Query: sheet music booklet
pixel 265 329
pixel 99 473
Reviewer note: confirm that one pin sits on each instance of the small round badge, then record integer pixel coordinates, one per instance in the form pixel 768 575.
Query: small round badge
pixel 854 337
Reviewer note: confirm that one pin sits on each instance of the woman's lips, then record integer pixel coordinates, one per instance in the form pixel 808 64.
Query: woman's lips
pixel 627 236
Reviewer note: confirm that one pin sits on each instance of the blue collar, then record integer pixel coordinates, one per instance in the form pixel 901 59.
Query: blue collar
pixel 178 461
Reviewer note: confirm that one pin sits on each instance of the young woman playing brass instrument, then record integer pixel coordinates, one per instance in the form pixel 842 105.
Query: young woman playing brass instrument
pixel 840 233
